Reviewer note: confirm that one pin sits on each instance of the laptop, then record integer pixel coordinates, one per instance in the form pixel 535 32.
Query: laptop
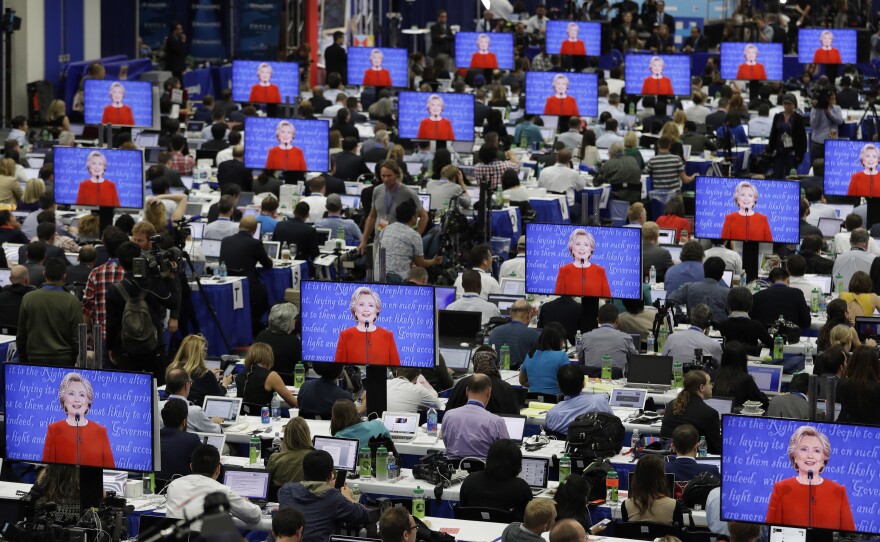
pixel 822 282
pixel 354 188
pixel 724 405
pixel 727 277
pixel 463 147
pixel 4 277
pixel 211 249
pixel 444 296
pixel 344 452
pixel 425 199
pixel 667 236
pixel 504 302
pixel 151 154
pixel 226 408
pixel 273 248
pixel 649 372
pixel 197 229
pixel 767 377
pixel 72 258
pixel 474 193
pixel 512 286
pixel 249 483
pixel 830 226
pixel 536 472
pixel 146 139
pixel 115 480
pixel 631 399
pixel 403 426
pixel 217 440
pixel 868 327
pixel 458 326
pixel 457 359
pixel 516 426
pixel 323 235
pixel 674 251
pixel 351 202
pixel 194 209
pixel 413 168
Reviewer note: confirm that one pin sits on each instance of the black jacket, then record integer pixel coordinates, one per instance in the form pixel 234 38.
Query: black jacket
pixel 750 333
pixel 714 120
pixel 565 311
pixel 817 264
pixel 13 235
pixel 234 172
pixel 741 387
pixel 659 257
pixel 162 294
pixel 798 136
pixel 51 252
pixel 241 252
pixel 350 166
pixel 375 154
pixel 175 55
pixel 503 400
pixel 336 60
pixel 214 212
pixel 78 273
pixel 848 99
pixel 698 414
pixel 10 303
pixel 441 40
pixel 177 447
pixel 856 407
pixel 214 145
pixel 304 235
pixel 781 299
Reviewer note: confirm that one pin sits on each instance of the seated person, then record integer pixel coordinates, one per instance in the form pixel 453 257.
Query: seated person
pixel 606 339
pixel 316 397
pixel 685 466
pixel 681 344
pixel 408 393
pixel 503 399
pixel 176 444
pixel 258 383
pixel 689 407
pixel 469 430
pixel 648 498
pixel 288 525
pixel 538 371
pixel 177 386
pixel 740 327
pixel 346 422
pixel 538 519
pixel 794 403
pixel 575 403
pixel 286 465
pixel 733 380
pixel 499 485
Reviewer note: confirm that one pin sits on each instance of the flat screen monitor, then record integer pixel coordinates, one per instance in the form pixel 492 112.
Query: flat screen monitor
pixel 827 46
pixel 759 479
pixel 648 369
pixel 444 296
pixel 378 67
pixel 753 210
pixel 99 177
pixel 588 261
pixel 513 286
pixel 658 75
pixel 262 81
pixel 574 38
pixel 462 325
pixel 121 103
pixel 343 450
pixel 562 94
pixel 484 50
pixel 115 411
pixel 286 144
pixel 767 377
pixel 435 116
pixel 722 405
pixel 751 61
pixel 851 168
pixel 399 320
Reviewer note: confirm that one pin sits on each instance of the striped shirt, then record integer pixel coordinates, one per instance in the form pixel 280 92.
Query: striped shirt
pixel 664 170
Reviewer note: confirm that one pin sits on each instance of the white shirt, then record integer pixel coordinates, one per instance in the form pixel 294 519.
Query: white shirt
pixel 759 126
pixel 563 179
pixel 404 396
pixel 224 155
pixel 732 260
pixel 331 111
pixel 697 113
pixel 489 285
pixel 317 206
pixel 513 268
pixel 606 139
pixel 186 499
pixel 533 24
pixel 615 86
pixel 841 244
pixel 801 284
pixel 220 229
pixel 819 210
pixel 474 303
pixel 616 113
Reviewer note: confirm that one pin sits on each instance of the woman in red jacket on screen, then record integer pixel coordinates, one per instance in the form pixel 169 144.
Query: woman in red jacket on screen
pixel 117 113
pixel 791 502
pixel 435 126
pixel 264 91
pixel 572 45
pixel 745 224
pixel 97 190
pixel 657 83
pixel 750 69
pixel 483 59
pixel 582 277
pixel 76 395
pixel 561 103
pixel 365 307
pixel 376 75
pixel 866 183
pixel 285 156
pixel 826 54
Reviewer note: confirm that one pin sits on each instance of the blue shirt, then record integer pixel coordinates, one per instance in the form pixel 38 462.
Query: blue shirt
pixel 364 431
pixel 518 336
pixel 335 223
pixel 561 415
pixel 533 133
pixel 541 370
pixel 268 224
pixel 682 273
pixel 737 136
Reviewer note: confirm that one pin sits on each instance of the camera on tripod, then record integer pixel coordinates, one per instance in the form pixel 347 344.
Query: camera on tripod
pixel 822 96
pixel 157 263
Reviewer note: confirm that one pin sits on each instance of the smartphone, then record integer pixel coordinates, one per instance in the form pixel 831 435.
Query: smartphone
pixel 602 523
pixel 229 369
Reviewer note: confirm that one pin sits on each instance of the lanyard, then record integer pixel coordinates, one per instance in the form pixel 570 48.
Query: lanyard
pixel 389 202
pixel 476 403
pixel 53 287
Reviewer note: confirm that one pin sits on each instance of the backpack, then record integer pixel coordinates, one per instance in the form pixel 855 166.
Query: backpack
pixel 651 445
pixel 697 490
pixel 139 334
pixel 595 435
pixel 596 473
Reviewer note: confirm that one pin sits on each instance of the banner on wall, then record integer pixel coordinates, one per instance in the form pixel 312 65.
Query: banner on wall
pixel 259 29
pixel 207 42
pixel 154 16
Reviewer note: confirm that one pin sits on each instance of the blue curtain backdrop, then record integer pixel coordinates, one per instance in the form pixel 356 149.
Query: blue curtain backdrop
pixel 208 41
pixel 258 29
pixel 118 28
pixel 58 22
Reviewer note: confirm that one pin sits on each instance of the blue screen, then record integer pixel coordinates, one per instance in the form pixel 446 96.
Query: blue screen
pixel 755 457
pixel 125 172
pixel 412 110
pixel 769 56
pixel 778 205
pixel 137 98
pixel 618 252
pixel 588 33
pixel 406 311
pixel 443 296
pixel 676 67
pixel 583 87
pixel 842 163
pixel 122 404
pixel 500 45
pixel 285 76
pixel 311 138
pixel 809 39
pixel 393 60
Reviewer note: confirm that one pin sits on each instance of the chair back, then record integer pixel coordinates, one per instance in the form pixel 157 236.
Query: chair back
pixel 483 513
pixel 541 397
pixel 645 530
pixel 472 464
pixel 688 535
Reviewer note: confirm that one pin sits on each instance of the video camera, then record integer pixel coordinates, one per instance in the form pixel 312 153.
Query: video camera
pixel 158 263
pixel 822 96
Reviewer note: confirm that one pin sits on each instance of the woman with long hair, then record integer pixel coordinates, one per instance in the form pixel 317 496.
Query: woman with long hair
pixel 345 422
pixel 56 117
pixel 495 123
pixel 191 358
pixel 286 465
pixel 648 498
pixel 740 327
pixel 335 144
pixel 499 485
pixel 689 407
pixel 733 380
pixel 258 383
pixel 343 124
pixel 30 201
pixel 59 484
pixel 589 153
pixel 442 158
pixel 859 392
pixel 838 313
pixel 860 297
pixel 571 501
pixel 538 371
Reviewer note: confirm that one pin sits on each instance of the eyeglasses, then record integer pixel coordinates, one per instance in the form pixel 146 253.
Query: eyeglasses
pixel 412 527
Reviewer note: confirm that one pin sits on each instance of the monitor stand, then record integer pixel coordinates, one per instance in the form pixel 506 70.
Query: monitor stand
pixel 873 212
pixel 376 388
pixel 589 314
pixel 91 487
pixel 750 259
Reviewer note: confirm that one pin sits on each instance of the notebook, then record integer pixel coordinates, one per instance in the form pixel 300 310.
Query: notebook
pixel 767 377
pixel 457 359
pixel 623 398
pixel 402 425
pixel 516 426
pixel 535 471
pixel 217 440
pixel 222 407
pixel 504 302
pixel 250 483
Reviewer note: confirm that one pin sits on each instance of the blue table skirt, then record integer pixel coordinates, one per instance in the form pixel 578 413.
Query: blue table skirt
pixel 236 323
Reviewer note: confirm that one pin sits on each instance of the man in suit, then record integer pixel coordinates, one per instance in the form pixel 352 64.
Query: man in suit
pixel 379 151
pixel 696 42
pixel 335 57
pixel 661 42
pixel 697 388
pixel 781 299
pixel 332 184
pixel 663 18
pixel 847 98
pixel 565 311
pixel 441 36
pixel 652 254
pixel 698 142
pixel 241 252
pixel 794 403
pixel 685 441
pixel 718 117
pixel 234 172
pixel 606 339
pixel 805 227
pixel 297 231
pixel 176 444
pixel 350 165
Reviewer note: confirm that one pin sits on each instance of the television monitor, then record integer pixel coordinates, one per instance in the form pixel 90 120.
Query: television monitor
pixel 93 177
pixel 262 81
pixel 751 61
pixel 268 144
pixel 827 46
pixel 574 38
pixel 436 116
pixel 658 75
pixel 115 410
pixel 747 210
pixel 612 261
pixel 868 327
pixel 758 473
pixel 563 94
pixel 121 103
pixel 378 67
pixel 851 168
pixel 484 50
pixel 400 321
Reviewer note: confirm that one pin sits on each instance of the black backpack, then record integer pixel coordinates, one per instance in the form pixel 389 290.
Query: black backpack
pixel 697 490
pixel 596 473
pixel 595 435
pixel 139 334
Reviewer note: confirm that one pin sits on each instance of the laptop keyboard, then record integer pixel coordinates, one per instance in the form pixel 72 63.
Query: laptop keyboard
pixel 661 388
pixel 402 438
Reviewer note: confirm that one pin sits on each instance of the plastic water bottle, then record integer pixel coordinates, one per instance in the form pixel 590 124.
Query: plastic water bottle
pixel 276 442
pixel 838 280
pixel 505 357
pixel 418 506
pixel 340 238
pixel 777 348
pixel 285 251
pixel 652 344
pixel 564 468
pixel 217 271
pixel 611 486
pixel 703 450
pixel 499 197
pixel 365 463
pixel 222 269
pixel 356 492
pixel 606 367
pixel 276 407
pixel 299 375
pixel 755 287
pixel 432 421
pixel 743 279
pixel 808 358
pixel 634 443
pixel 678 374
pixel 382 464
pixel 254 449
pixel 661 342
pixel 578 340
pixel 652 276
pixel 822 304
pixel 814 302
pixel 683 237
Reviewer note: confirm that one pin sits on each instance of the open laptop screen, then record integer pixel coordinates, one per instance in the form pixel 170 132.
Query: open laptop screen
pixel 535 471
pixel 456 358
pixel 516 425
pixel 343 450
pixel 650 369
pixel 250 483
pixel 767 377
